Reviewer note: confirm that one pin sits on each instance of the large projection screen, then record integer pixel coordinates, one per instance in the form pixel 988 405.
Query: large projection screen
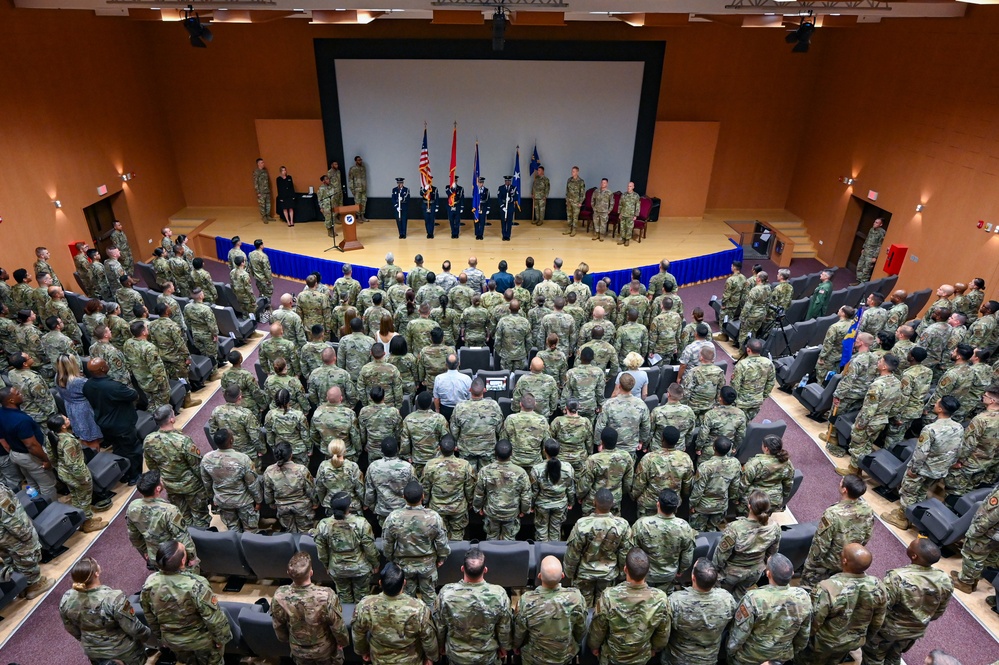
pixel 582 113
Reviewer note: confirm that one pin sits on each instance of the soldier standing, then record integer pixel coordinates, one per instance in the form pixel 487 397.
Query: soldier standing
pixel 483 210
pixel 308 616
pixel 540 187
pixel 608 468
pixel 597 548
pixel 240 422
pixel 239 279
pixel 422 431
pixel 182 612
pixel 628 209
pixel 450 486
pixel 917 594
pixel 716 484
pixel 554 489
pixel 19 545
pixel 416 541
pixel 602 201
pixel 667 540
pixel 152 521
pixel 575 194
pixel 754 311
pixel 753 379
pixel 870 251
pixel 262 187
pixel 345 545
pixel 204 329
pixel 849 521
pixel 229 478
pixel 393 627
pixel 430 198
pixel 513 339
pixel 354 350
pixel 666 468
pixel 400 204
pixel 700 615
pixel 540 386
pixel 177 458
pixel 260 269
pixel 346 287
pixel 980 544
pixel 507 195
pixel 386 481
pixel 101 618
pixel 573 433
pixel 502 494
pixel 631 622
pixel 628 416
pixel 848 607
pixel 455 204
pixel 772 622
pixel 585 384
pixel 180 272
pixel 120 240
pixel 326 203
pixel 476 424
pixel 290 489
pixel 745 546
pixel 550 619
pixel 336 189
pixel 380 373
pixel 357 178
pixel 881 401
pixel 473 617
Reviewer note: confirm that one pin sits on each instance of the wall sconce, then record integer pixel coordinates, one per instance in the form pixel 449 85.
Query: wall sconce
pixel 847 180
pixel 920 207
pixel 125 177
pixel 57 203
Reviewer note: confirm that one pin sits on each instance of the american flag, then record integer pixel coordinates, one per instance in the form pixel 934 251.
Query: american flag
pixel 425 177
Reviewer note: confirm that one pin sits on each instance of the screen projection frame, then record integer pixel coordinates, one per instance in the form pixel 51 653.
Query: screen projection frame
pixel 650 53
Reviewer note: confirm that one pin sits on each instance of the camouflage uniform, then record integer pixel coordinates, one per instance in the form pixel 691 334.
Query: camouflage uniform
pixel 230 479
pixel 551 500
pixel 659 470
pixel 172 346
pixel 677 415
pixel 549 625
pixel 586 384
pixel 771 623
pixel 503 494
pixel 474 622
pixel 244 426
pixel 601 201
pixel 563 325
pixel 176 313
pixel 314 307
pixel 378 372
pixel 574 434
pixel 595 554
pixel 150 373
pixel 629 416
pixel 513 341
pixel 262 185
pixel 631 337
pixel 449 321
pixel 416 540
pixel 289 426
pixel 430 294
pixel 832 349
pixel 347 549
pixel 476 326
pixel 449 483
pixel 184 615
pixel 849 521
pixel 611 469
pixel 732 296
pixel 72 470
pixel 61 309
pixel 586 331
pixel 346 288
pixel 846 609
pixel 981 544
pixel 294 331
pixel 982 333
pixel 956 382
pixel 883 398
pixel 104 622
pixel 254 398
pixel 460 297
pixel 337 422
pixel 638 302
pixel 377 421
pixel 259 266
pixel 917 595
pixel 180 275
pixel 978 454
pixel 29 340
pixel 177 458
pixel 701 387
pixel 353 353
pixel 669 543
pixel 291 490
pixel 204 328
pixel 19 546
pixel 476 425
pixel 39 404
pixel 699 619
pixel 310 357
pixel 279 347
pixel 54 344
pixel 873 320
pixel 432 362
pixel 346 478
pixel 742 553
pixel 935 338
pixel 716 483
pixel 152 522
pixel 664 335
pixel 753 379
pixel 202 279
pixel 774 478
pixel 311 620
pixel 557 365
pixel 395 630
pixel 857 378
pixel 421 432
pixel 631 623
pixel 325 377
pixel 914 390
pixel 722 420
pixel 936 451
pixel 543 387
pixel 383 486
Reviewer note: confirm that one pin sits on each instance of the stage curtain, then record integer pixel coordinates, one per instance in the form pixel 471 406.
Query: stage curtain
pixel 296 266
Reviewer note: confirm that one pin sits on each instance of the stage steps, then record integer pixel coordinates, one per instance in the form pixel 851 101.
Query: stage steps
pixel 795 230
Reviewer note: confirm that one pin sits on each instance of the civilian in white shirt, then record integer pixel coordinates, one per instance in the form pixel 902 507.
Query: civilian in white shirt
pixel 451 387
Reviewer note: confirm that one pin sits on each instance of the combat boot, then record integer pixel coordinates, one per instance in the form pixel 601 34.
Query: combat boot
pixel 568 233
pixel 896 518
pixel 832 439
pixel 626 241
pixel 721 336
pixel 38 588
pixel 620 241
pixel 960 585
pixel 850 470
pixel 190 401
pixel 93 524
pixel 216 375
pixel 572 234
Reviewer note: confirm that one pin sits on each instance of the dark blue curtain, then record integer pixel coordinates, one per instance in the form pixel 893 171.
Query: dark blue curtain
pixel 686 271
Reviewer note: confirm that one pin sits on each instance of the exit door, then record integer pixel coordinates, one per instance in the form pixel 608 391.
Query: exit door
pixel 100 218
pixel 868 214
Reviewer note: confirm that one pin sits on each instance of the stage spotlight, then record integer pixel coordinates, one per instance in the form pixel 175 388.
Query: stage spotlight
pixel 802 36
pixel 499 29
pixel 196 30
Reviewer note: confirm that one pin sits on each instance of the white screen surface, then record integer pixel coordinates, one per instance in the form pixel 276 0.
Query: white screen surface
pixel 578 113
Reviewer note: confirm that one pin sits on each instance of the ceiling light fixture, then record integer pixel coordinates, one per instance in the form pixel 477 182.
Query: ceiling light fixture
pixel 57 203
pixel 802 36
pixel 198 32
pixel 847 180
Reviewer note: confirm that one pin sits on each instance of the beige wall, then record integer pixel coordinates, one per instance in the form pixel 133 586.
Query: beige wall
pixel 683 154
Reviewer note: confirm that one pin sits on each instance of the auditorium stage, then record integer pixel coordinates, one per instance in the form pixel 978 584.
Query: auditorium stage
pixel 673 238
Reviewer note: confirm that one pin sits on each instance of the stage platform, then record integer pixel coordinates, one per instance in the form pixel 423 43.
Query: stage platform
pixel 699 248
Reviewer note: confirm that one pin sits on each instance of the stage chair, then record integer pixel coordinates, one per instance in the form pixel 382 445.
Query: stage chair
pixel 555 548
pixel 261 374
pixel 226 344
pixel 505 406
pixel 614 217
pixel 225 296
pixel 939 523
pixel 268 556
pixel 201 368
pixel 258 632
pixel 451 570
pixel 510 562
pixel 967 501
pixel 642 219
pixel 586 209
pixel 307 543
pixel 752 443
pixel 220 554
pixel 798 286
pixel 888 285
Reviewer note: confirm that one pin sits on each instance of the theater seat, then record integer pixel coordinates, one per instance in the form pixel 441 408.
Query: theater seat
pixel 307 543
pixel 145 425
pixel 816 398
pixel 32 506
pixel 790 371
pixel 57 524
pixel 555 548
pixel 451 570
pixel 493 379
pixel 258 633
pixel 178 392
pixel 799 477
pixel 795 539
pixel 220 554
pixel 887 467
pixel 939 523
pixel 231 325
pixel 268 556
pixel 510 562
pixel 107 469
pixel 475 358
pixel 752 443
pixel 9 589
pixel 844 426
pixel 201 368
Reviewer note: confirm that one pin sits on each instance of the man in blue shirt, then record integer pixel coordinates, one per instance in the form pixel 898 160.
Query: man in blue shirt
pixel 503 279
pixel 22 437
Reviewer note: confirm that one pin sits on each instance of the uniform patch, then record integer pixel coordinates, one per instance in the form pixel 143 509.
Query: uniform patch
pixel 742 614
pixel 215 600
pixel 994 501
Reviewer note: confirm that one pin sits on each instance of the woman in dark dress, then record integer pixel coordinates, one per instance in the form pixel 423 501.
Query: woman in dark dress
pixel 286 197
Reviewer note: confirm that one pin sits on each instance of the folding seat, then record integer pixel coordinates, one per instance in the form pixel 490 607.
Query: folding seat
pixel 232 326
pixel 149 298
pixel 76 303
pixel 107 469
pixel 258 633
pixel 268 556
pixel 307 543
pixel 752 443
pixel 55 525
pixel 651 402
pixel 220 554
pixel 933 519
pixel 201 368
pixel 800 336
pixel 475 358
pixel 145 425
pixel 33 506
pixel 653 374
pixel 555 548
pixel 822 325
pixel 715 304
pixel 817 399
pixel 510 562
pixel 178 391
pixel 799 478
pixel 844 426
pixel 809 288
pixel 857 295
pixel 11 588
pixel 237 645
pixel 798 285
pixel 796 311
pixel 795 539
pixel 836 300
pixel 667 377
pixel 145 272
pixel 790 371
pixel 451 570
pixel 917 301
pixel 887 467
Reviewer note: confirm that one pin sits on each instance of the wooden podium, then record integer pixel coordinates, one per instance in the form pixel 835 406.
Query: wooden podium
pixel 349 216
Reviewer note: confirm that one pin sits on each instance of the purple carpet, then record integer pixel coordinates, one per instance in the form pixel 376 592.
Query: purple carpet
pixel 44 640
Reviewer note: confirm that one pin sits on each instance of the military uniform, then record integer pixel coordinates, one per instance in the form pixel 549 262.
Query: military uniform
pixel 229 477
pixel 353 353
pixel 882 400
pixel 551 500
pixel 676 415
pixel 701 387
pixel 291 489
pixel 542 387
pixel 669 543
pixel 771 623
pixel 664 335
pixel 595 554
pixel 347 549
pixel 742 553
pixel 631 623
pixel 416 540
pixel 177 458
pixel 152 522
pixel 325 196
pixel 376 422
pixel 699 619
pixel 184 615
pixel 204 328
pixel 449 483
pixel 346 478
pixel 476 425
pixel 716 483
pixel 936 451
pixel 39 404
pixel 574 434
pixel 310 357
pixel 753 380
pixel 357 178
pixel 239 279
pixel 857 378
pixel 869 253
pixel 291 427
pixel 262 185
pixel 628 208
pixel 327 376
pixel 19 545
pixel 549 625
pixel 774 478
pixel 346 288
pixel 722 420
pixel 171 344
pixel 610 469
pixel 602 201
pixel 71 469
pixel 311 620
pixel 180 275
pixel 935 338
pixel 629 416
pixel 917 595
pixel 659 470
pixel 849 521
pixel 421 432
pixel 846 609
pixel 383 486
pixel 104 622
pixel 396 630
pixel 513 341
pixel 575 194
pixel 378 372
pixel 557 366
pixel 314 307
pixel 914 390
pixel 117 363
pixel 476 326
pixel 977 456
pixel 731 300
pixel 254 398
pixel 503 494
pixel 586 384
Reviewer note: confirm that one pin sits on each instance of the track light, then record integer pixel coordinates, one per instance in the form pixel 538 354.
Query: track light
pixel 802 36
pixel 196 30
pixel 499 29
